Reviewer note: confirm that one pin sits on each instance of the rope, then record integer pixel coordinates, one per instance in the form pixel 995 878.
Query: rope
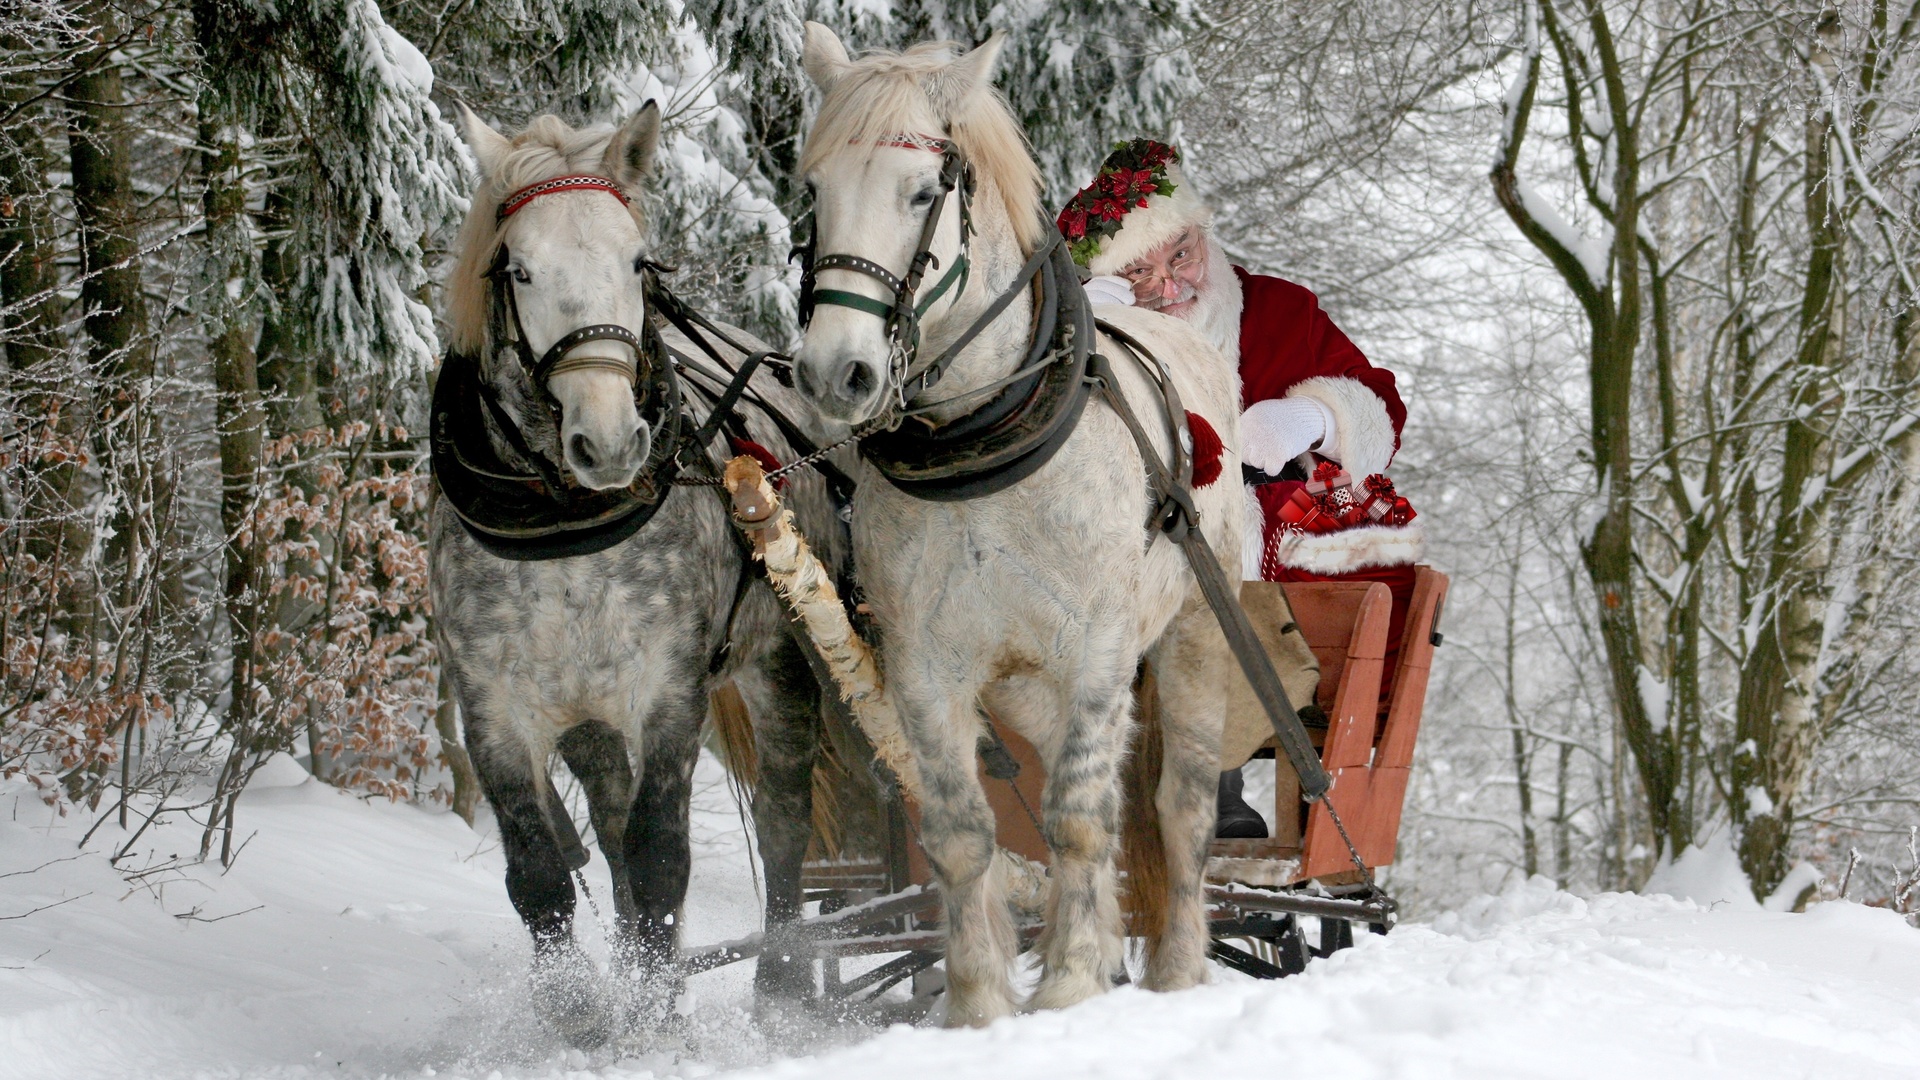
pixel 858 433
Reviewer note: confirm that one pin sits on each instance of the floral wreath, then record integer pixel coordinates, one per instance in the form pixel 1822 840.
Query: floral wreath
pixel 1132 172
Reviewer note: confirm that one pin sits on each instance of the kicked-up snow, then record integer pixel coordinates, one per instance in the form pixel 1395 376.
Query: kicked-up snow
pixel 362 940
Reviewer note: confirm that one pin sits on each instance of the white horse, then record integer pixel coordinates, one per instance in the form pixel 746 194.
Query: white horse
pixel 1040 599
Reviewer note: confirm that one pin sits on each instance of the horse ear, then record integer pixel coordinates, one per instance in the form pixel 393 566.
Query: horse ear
pixel 823 57
pixel 950 89
pixel 490 147
pixel 629 156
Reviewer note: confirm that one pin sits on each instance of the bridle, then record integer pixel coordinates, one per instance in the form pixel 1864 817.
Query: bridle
pixel 656 394
pixel 902 316
pixel 505 310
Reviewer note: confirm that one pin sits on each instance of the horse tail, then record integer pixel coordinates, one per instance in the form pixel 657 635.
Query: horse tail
pixel 733 729
pixel 829 773
pixel 1142 847
pixel 733 737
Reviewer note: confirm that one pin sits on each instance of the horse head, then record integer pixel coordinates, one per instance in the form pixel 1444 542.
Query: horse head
pixel 554 262
pixel 906 147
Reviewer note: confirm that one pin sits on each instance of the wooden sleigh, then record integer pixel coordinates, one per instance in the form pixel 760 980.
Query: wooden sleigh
pixel 879 898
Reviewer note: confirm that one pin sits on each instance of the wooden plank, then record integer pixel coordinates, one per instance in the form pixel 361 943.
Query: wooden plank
pixel 1416 664
pixel 1356 703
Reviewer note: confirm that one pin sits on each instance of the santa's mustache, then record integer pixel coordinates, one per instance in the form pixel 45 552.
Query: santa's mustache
pixel 1186 293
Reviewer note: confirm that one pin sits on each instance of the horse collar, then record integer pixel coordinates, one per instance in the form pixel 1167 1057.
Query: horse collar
pixel 1028 416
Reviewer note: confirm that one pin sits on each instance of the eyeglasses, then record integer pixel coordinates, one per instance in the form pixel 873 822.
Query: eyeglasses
pixel 1186 256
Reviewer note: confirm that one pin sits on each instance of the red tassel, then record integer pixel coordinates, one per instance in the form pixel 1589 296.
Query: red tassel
pixel 1207 449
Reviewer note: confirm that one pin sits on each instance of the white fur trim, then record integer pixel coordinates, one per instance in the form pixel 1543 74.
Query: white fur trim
pixel 1148 227
pixel 1363 432
pixel 1348 550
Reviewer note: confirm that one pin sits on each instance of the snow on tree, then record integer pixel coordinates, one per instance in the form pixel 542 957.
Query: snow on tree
pixel 711 214
pixel 379 172
pixel 1080 74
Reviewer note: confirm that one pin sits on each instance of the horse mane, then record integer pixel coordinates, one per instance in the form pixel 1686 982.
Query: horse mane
pixel 885 92
pixel 546 148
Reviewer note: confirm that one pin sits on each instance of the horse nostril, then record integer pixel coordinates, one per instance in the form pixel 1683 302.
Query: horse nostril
pixel 581 448
pixel 857 380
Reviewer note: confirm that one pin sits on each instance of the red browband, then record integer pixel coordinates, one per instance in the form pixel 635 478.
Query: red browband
pixel 512 203
pixel 913 140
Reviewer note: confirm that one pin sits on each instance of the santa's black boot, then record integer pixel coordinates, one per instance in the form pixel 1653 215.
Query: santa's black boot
pixel 1237 820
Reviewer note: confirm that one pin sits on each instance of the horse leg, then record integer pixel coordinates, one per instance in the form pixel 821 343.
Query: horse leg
pixel 784 701
pixel 597 756
pixel 659 851
pixel 512 776
pixel 1083 946
pixel 957 831
pixel 1191 665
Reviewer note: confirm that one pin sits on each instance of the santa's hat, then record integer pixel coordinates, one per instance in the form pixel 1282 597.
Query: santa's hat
pixel 1138 202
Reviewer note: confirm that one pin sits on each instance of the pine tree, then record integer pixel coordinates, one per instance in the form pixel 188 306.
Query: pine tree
pixel 377 172
pixel 1080 74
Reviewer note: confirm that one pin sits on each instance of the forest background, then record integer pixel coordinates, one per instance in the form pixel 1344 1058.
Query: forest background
pixel 1646 271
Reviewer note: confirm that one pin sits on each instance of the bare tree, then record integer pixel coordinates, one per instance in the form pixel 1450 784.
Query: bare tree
pixel 1746 283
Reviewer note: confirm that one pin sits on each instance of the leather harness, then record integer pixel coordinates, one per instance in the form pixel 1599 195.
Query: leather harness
pixel 522 505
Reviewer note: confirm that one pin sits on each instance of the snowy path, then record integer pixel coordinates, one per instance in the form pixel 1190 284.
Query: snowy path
pixel 367 940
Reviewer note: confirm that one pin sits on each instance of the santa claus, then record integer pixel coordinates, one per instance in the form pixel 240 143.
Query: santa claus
pixel 1308 393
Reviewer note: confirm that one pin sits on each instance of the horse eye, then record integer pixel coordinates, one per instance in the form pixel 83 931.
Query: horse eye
pixel 923 197
pixel 520 275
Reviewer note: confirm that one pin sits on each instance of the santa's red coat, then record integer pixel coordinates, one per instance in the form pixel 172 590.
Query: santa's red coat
pixel 1285 338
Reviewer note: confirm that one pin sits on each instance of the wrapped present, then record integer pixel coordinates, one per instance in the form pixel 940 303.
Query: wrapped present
pixel 1383 505
pixel 1329 524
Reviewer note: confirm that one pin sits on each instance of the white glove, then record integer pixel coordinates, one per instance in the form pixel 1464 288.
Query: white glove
pixel 1107 289
pixel 1275 432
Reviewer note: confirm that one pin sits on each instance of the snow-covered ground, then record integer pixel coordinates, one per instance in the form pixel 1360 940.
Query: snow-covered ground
pixel 355 939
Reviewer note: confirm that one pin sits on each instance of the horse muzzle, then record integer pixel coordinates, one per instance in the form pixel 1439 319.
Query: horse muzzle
pixel 842 384
pixel 604 439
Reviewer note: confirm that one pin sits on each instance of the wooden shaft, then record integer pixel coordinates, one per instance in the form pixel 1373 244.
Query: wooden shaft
pixel 804 583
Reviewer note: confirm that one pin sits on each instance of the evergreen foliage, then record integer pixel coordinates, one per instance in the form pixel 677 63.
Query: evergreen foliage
pixel 1080 74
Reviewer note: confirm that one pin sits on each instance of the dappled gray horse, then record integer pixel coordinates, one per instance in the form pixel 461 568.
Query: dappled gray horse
pixel 555 418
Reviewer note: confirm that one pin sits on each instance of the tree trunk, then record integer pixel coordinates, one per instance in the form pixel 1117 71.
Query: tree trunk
pixel 466 782
pixel 1523 783
pixel 119 352
pixel 228 321
pixel 53 413
pixel 1777 719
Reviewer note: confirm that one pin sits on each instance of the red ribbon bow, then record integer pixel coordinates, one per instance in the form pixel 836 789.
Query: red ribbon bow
pixel 1329 503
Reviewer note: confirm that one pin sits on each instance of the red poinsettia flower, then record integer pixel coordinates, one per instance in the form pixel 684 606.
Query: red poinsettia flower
pixel 1109 209
pixel 1073 221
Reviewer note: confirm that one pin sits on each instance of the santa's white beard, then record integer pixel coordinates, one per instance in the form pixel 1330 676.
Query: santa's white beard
pixel 1218 303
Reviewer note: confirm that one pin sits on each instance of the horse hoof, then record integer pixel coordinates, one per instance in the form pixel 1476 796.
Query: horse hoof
pixel 567 997
pixel 1060 989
